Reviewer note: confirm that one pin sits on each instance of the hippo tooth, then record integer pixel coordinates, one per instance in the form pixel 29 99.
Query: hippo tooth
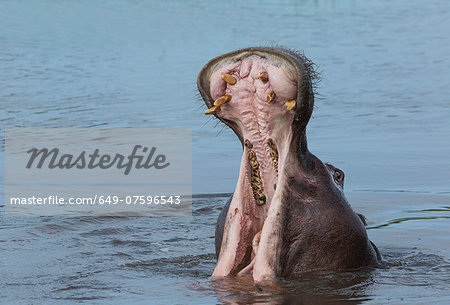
pixel 212 110
pixel 255 241
pixel 273 154
pixel 290 104
pixel 229 79
pixel 261 200
pixel 270 97
pixel 222 100
pixel 263 77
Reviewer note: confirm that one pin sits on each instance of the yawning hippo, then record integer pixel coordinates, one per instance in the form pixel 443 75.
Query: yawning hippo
pixel 288 213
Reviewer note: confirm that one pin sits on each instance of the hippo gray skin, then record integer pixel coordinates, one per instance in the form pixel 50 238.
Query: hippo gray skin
pixel 288 213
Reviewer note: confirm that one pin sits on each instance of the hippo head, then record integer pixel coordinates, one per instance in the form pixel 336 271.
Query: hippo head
pixel 288 213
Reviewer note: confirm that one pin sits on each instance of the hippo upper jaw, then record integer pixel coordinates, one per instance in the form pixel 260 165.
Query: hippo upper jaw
pixel 265 96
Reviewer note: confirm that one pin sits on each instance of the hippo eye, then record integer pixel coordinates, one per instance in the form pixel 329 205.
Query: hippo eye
pixel 338 175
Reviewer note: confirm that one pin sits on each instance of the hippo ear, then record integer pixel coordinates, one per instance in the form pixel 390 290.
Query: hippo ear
pixel 363 218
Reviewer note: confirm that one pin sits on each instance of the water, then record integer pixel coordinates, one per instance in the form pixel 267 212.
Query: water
pixel 381 115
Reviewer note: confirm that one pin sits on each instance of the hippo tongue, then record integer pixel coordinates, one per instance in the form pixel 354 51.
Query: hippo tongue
pixel 256 93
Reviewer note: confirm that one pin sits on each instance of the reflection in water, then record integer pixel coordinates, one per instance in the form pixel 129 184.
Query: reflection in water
pixel 335 287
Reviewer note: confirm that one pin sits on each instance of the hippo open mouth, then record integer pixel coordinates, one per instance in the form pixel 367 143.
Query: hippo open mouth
pixel 288 213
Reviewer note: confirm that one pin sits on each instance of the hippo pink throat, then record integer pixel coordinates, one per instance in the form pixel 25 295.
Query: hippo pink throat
pixel 258 96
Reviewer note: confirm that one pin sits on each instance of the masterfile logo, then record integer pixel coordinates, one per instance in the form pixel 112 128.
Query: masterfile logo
pixel 85 171
pixel 54 159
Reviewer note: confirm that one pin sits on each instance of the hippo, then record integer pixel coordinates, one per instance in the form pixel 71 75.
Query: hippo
pixel 288 214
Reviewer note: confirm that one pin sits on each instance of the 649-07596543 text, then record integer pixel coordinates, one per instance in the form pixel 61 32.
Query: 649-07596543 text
pixel 98 200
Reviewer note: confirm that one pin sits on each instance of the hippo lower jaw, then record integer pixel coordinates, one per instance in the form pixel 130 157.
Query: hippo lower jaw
pixel 288 213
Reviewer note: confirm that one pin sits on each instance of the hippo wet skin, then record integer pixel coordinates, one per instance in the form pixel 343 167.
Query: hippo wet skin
pixel 288 213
